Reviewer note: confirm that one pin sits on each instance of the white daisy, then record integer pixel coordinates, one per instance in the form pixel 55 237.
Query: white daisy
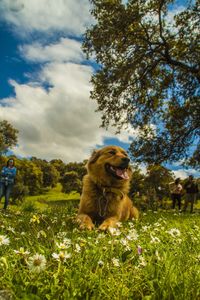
pixel 21 252
pixel 154 240
pixel 64 245
pixel 4 240
pixel 11 229
pixel 174 232
pixel 133 235
pixel 37 263
pixel 145 228
pixel 114 231
pixel 142 261
pixel 115 262
pixel 125 243
pixel 100 263
pixel 61 256
pixel 77 248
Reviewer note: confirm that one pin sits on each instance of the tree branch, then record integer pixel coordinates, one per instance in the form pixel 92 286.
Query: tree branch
pixel 166 54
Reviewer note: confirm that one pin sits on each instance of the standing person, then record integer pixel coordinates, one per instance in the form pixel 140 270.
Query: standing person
pixel 8 174
pixel 191 189
pixel 176 193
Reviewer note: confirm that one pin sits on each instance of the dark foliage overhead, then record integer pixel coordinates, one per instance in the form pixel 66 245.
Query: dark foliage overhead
pixel 149 74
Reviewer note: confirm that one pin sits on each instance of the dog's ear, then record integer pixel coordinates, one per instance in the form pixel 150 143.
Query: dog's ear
pixel 95 155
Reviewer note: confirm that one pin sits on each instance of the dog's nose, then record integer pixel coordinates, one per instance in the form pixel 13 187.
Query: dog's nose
pixel 126 160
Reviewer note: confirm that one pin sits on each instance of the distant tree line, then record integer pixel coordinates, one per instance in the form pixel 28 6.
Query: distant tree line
pixel 36 176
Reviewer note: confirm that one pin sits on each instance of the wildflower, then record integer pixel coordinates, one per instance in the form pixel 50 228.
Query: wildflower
pixel 145 228
pixel 82 242
pixel 35 219
pixel 125 243
pixel 77 248
pixel 37 263
pixel 67 242
pixel 174 232
pixel 114 231
pixel 41 233
pixel 18 213
pixel 100 236
pixel 154 240
pixel 133 235
pixel 100 263
pixel 11 229
pixel 115 262
pixel 4 240
pixel 131 224
pixel 142 261
pixel 64 245
pixel 60 235
pixel 157 255
pixel 157 224
pixel 61 256
pixel 179 241
pixel 139 250
pixel 21 252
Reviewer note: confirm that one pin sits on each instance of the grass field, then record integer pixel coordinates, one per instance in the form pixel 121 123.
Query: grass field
pixel 43 255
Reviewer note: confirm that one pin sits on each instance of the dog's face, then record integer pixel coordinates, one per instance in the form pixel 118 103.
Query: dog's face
pixel 110 164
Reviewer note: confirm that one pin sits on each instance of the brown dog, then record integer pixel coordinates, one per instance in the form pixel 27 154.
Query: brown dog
pixel 104 197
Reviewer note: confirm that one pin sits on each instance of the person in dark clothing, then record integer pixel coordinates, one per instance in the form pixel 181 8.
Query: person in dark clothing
pixel 176 193
pixel 191 189
pixel 7 177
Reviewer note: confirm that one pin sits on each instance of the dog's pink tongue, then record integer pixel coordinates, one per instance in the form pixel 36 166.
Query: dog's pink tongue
pixel 122 173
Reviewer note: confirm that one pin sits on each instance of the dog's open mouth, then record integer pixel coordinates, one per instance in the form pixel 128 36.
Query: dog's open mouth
pixel 118 172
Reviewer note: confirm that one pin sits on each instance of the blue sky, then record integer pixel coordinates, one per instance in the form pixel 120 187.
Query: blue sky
pixel 45 80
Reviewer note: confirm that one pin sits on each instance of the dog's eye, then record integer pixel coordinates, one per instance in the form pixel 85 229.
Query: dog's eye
pixel 113 152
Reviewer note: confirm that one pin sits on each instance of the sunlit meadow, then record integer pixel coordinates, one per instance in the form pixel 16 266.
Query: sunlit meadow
pixel 43 255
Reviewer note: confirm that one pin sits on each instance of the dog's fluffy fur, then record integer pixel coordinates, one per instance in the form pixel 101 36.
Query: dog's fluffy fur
pixel 104 197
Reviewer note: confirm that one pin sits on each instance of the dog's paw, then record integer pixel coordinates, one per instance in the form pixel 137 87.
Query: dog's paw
pixel 86 226
pixel 104 226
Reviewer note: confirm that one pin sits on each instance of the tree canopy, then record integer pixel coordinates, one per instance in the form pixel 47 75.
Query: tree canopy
pixel 148 74
pixel 8 136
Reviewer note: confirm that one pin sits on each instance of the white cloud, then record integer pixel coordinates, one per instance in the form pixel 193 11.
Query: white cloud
pixel 184 173
pixel 46 16
pixel 61 51
pixel 61 122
